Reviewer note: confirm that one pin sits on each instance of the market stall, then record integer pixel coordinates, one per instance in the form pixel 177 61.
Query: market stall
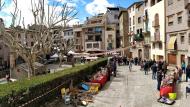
pixel 168 89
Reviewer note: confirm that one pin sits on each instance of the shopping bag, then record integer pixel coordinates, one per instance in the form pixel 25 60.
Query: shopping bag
pixel 172 96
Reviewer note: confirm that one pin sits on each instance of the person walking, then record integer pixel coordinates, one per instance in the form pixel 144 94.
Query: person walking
pixel 114 67
pixel 164 68
pixel 154 70
pixel 188 72
pixel 159 79
pixel 130 65
pixel 109 71
pixel 183 66
pixel 146 66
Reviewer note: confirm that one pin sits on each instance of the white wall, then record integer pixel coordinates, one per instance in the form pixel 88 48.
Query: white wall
pixel 158 8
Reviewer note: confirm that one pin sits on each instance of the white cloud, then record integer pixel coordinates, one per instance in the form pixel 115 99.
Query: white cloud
pixel 25 7
pixel 98 6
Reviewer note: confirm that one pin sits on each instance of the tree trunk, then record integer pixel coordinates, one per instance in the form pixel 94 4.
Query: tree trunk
pixel 31 70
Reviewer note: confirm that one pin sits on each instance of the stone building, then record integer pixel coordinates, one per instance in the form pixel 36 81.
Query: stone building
pixel 93 31
pixel 156 11
pixel 177 30
pixel 124 30
pixel 78 38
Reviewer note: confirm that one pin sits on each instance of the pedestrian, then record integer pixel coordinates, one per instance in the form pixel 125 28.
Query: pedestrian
pixel 179 73
pixel 130 65
pixel 146 66
pixel 109 71
pixel 164 69
pixel 159 79
pixel 154 70
pixel 188 72
pixel 183 66
pixel 114 65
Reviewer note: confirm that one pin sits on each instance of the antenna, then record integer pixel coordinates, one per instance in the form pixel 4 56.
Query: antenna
pixel 118 3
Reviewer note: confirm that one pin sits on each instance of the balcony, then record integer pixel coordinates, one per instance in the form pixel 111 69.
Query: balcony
pixel 155 24
pixel 93 32
pixel 90 46
pixel 156 37
pixel 187 4
pixel 138 37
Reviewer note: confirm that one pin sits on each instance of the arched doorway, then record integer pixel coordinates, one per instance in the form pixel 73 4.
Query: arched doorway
pixel 140 53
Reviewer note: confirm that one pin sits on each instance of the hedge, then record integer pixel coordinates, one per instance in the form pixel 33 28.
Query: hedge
pixel 24 90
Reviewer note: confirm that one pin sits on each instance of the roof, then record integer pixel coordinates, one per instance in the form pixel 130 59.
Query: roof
pixel 139 2
pixel 115 8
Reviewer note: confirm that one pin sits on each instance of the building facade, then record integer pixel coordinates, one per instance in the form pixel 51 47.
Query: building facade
pixel 139 31
pixel 78 38
pixel 178 32
pixel 124 30
pixel 93 31
pixel 156 13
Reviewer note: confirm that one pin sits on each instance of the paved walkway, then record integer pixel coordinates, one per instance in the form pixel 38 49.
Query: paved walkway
pixel 134 89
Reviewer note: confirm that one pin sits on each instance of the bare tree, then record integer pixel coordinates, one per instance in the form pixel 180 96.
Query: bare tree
pixel 46 17
pixel 63 48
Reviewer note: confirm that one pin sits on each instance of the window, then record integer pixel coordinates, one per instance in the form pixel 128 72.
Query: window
pixel 97 38
pixel 130 21
pixel 90 37
pixel 32 43
pixel 153 2
pixel 89 45
pixel 179 19
pixel 170 2
pixel 78 34
pixel 182 39
pixel 133 29
pixel 115 16
pixel 96 45
pixel 98 29
pixel 133 20
pixel 138 31
pixel 153 45
pixel 170 20
pixel 139 20
pixel 160 46
pixel 159 1
pixel 141 31
pixel 19 35
pixel 31 36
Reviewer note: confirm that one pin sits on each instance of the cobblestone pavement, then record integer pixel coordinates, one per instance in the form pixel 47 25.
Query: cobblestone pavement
pixel 134 89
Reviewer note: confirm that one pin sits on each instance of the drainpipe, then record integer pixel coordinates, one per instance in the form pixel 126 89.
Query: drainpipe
pixel 165 35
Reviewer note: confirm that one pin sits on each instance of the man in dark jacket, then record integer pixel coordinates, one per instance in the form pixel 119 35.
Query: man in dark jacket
pixel 159 79
pixel 187 72
pixel 146 68
pixel 154 70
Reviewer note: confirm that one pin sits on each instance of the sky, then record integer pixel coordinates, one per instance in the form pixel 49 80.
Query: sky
pixel 85 8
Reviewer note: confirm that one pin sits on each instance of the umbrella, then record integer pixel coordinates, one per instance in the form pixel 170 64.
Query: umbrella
pixel 55 56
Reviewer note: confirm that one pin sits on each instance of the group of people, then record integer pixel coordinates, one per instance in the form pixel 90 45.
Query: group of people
pixel 112 67
pixel 159 68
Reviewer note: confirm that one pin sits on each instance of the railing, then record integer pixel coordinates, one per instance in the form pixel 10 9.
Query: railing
pixel 157 36
pixel 187 3
pixel 93 32
pixel 94 45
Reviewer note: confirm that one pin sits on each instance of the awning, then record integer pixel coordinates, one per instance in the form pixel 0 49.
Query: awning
pixel 171 42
